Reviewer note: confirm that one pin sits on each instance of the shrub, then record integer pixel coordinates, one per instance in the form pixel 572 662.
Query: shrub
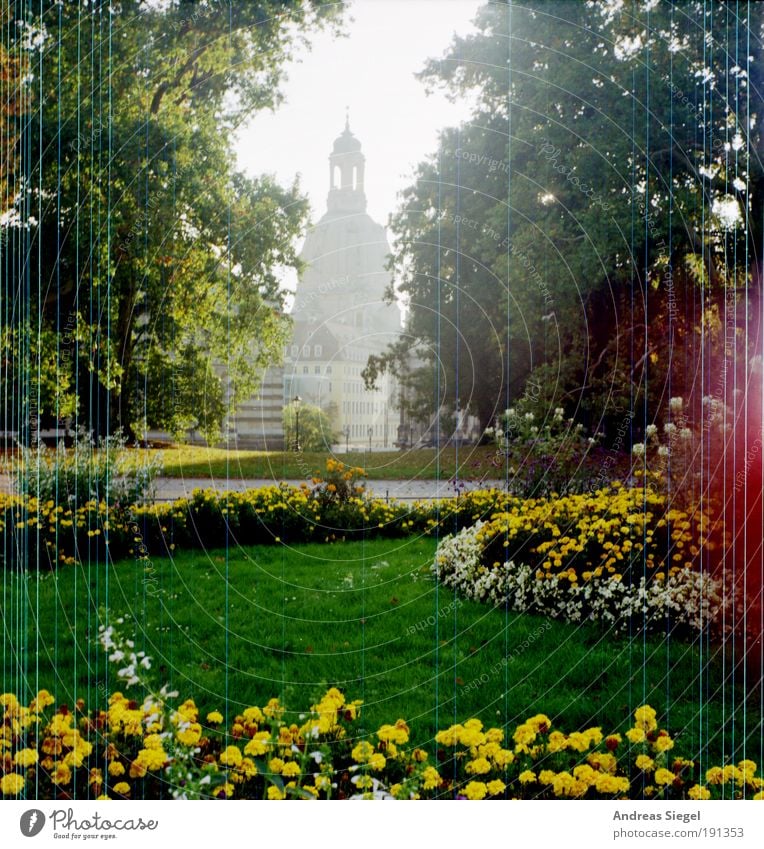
pixel 87 470
pixel 544 456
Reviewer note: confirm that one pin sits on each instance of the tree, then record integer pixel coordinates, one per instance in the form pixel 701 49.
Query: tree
pixel 147 250
pixel 317 431
pixel 591 216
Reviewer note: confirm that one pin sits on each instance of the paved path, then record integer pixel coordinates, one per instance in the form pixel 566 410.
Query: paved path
pixel 171 488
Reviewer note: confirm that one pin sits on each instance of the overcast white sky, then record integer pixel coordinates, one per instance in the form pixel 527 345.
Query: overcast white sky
pixel 371 71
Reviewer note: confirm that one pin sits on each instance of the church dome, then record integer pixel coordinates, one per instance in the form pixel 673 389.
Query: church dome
pixel 347 142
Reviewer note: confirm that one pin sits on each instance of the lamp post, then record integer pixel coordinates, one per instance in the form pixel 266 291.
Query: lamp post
pixel 346 431
pixel 296 401
pixel 371 433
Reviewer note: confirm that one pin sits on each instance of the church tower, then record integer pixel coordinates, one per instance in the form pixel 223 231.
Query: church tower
pixel 340 314
pixel 346 168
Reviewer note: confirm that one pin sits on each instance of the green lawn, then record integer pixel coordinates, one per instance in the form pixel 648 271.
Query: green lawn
pixel 361 617
pixel 424 463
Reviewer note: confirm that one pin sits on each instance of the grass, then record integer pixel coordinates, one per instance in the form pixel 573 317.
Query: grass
pixel 424 463
pixel 363 617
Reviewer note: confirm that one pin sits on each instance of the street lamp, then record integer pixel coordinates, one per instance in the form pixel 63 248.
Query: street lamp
pixel 371 433
pixel 296 401
pixel 346 431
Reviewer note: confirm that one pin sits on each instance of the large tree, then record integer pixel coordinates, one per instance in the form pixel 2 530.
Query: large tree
pixel 597 216
pixel 151 263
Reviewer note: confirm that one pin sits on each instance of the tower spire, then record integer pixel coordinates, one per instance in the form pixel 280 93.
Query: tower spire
pixel 346 172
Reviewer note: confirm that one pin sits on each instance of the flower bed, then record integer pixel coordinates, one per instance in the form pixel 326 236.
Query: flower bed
pixel 49 534
pixel 616 555
pixel 148 750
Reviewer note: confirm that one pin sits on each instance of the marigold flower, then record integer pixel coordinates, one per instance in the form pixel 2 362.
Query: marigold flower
pixel 61 774
pixel 663 777
pixel 26 757
pixel 698 792
pixel 11 784
pixel 644 763
pixel 122 787
pixel 475 790
pixel 231 757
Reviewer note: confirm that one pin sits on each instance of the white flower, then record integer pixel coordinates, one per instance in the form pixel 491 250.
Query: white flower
pixel 676 404
pixel 663 451
pixel 685 433
pixel 638 449
pixel 529 417
pixel 146 663
pixel 651 430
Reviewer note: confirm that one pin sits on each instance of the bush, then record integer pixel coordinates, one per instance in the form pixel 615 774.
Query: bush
pixel 87 470
pixel 316 430
pixel 545 456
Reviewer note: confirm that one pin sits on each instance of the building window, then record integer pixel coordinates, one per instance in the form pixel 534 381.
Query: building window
pixel 328 369
pixel 317 369
pixel 306 351
pixel 295 351
pixel 317 351
pixel 304 369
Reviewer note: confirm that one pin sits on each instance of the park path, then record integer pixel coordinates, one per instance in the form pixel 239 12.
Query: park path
pixel 168 489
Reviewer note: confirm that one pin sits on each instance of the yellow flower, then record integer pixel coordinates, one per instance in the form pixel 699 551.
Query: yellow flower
pixel 377 761
pixel 291 769
pixel 527 777
pixel 475 790
pixel 25 757
pixel 644 718
pixel 479 766
pixel 257 746
pixel 276 765
pixel 152 759
pixel 664 776
pixel 61 774
pixel 431 778
pixel 495 787
pixel 116 769
pixel 231 757
pixel 697 792
pixel 663 743
pixel 362 752
pixel 524 734
pixel 214 717
pixel 275 793
pixel 645 763
pixel 503 758
pixel 11 784
pixel 190 735
pixel 606 783
pixel 123 788
pixel 636 735
pixel 42 700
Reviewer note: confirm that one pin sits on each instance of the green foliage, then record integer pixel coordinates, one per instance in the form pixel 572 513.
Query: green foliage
pixel 154 252
pixel 89 470
pixel 538 234
pixel 543 452
pixel 316 429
